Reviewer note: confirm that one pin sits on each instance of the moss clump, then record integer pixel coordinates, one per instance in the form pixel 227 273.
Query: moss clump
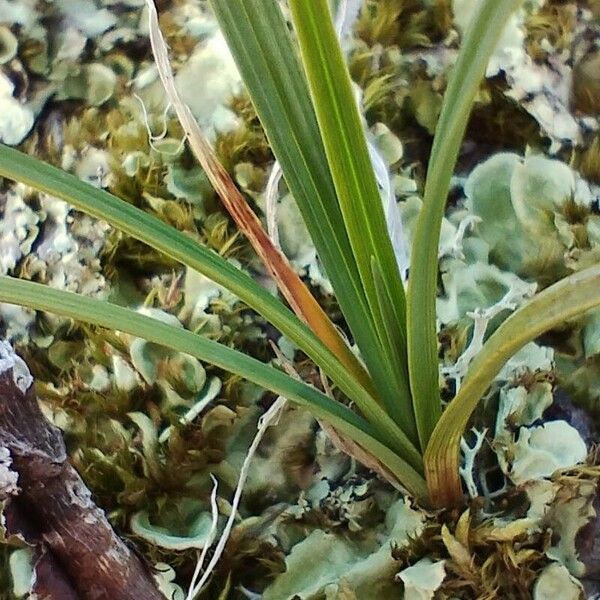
pixel 550 28
pixel 588 160
pixel 405 23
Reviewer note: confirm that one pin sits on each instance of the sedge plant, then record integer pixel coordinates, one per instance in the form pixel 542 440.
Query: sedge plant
pixel 302 93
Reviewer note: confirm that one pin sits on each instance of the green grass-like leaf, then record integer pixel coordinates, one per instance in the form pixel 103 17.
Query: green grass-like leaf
pixel 299 297
pixel 477 46
pixel 309 113
pixel 264 52
pixel 104 314
pixel 560 302
pixel 146 228
pixel 358 195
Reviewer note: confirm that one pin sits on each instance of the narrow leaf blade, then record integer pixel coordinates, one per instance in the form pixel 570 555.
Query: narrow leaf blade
pixel 263 50
pixel 150 230
pixel 110 316
pixel 478 44
pixel 560 302
pixel 352 172
pixel 402 411
pixel 288 282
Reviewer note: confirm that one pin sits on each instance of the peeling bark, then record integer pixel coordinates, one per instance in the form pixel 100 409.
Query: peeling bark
pixel 50 580
pixel 77 553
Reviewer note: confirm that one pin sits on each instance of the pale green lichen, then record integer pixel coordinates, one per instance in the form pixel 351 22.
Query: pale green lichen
pixel 540 451
pixel 17 118
pixel 21 570
pixel 147 426
pixel 324 565
pixel 556 582
pixel 423 579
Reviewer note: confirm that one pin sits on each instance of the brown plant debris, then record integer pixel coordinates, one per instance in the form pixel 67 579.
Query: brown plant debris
pixel 48 507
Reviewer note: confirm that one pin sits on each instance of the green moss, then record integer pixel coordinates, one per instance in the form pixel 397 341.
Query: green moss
pixel 246 143
pixel 554 23
pixel 405 23
pixel 588 160
pixel 5 578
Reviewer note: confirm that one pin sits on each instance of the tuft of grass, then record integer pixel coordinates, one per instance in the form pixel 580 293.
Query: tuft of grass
pixel 302 93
